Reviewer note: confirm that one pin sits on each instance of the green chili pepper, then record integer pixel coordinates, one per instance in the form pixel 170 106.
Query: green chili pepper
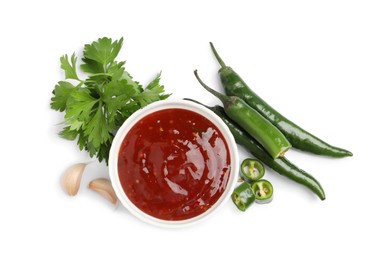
pixel 281 165
pixel 298 137
pixel 252 170
pixel 263 191
pixel 256 125
pixel 243 196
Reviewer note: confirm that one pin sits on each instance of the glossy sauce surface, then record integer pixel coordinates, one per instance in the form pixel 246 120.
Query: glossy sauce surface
pixel 174 164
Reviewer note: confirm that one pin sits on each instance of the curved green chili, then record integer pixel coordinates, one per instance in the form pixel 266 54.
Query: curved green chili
pixel 298 137
pixel 256 125
pixel 281 165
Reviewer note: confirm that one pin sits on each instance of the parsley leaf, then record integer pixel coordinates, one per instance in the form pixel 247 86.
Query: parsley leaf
pixel 153 92
pixel 96 107
pixel 62 92
pixel 68 133
pixel 98 55
pixel 69 68
pixel 97 130
pixel 80 107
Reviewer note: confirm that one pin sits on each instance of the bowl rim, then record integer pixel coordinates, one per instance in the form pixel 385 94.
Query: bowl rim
pixel 149 109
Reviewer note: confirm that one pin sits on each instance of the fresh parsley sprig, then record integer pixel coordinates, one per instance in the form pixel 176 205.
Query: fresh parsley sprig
pixel 97 106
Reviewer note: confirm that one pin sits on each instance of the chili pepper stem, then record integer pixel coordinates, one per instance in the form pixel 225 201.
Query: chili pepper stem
pixel 218 58
pixel 195 101
pixel 224 99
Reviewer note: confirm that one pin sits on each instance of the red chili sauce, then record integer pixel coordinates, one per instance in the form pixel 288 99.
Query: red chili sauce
pixel 174 164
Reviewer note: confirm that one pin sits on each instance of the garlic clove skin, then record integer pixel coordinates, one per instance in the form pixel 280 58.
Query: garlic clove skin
pixel 72 177
pixel 104 188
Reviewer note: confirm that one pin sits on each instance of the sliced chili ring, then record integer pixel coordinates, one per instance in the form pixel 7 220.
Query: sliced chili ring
pixel 243 196
pixel 263 191
pixel 252 170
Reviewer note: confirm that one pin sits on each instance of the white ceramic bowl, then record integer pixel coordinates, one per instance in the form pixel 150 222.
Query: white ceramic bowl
pixel 161 105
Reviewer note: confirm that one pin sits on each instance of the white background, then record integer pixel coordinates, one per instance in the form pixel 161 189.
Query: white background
pixel 321 63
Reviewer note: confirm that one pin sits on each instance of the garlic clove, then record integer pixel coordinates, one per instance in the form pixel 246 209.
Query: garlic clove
pixel 72 177
pixel 104 188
